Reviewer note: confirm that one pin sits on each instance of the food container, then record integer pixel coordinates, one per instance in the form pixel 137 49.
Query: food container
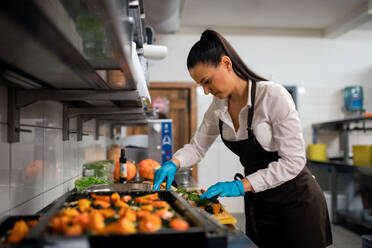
pixel 183 177
pixel 317 152
pixel 204 231
pixel 102 169
pixel 362 155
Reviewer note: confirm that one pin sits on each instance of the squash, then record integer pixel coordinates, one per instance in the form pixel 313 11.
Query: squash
pixel 131 170
pixel 146 168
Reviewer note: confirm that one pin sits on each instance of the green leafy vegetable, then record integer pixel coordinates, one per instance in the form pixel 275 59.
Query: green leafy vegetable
pixel 83 183
pixel 196 198
pixel 102 169
pixel 181 191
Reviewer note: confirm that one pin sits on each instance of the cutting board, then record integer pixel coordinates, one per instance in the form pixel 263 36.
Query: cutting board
pixel 224 217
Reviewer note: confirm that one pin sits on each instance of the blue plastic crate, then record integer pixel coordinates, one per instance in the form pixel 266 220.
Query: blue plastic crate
pixel 367 241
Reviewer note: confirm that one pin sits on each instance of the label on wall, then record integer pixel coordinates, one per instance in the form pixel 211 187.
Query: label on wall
pixel 166 141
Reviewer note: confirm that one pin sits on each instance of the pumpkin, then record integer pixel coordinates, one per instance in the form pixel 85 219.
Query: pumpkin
pixel 131 170
pixel 146 168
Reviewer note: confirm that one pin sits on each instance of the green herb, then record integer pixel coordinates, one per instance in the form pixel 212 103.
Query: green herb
pixel 181 191
pixel 83 183
pixel 196 198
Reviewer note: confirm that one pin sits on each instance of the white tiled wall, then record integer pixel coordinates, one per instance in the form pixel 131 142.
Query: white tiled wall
pixel 41 167
pixel 319 67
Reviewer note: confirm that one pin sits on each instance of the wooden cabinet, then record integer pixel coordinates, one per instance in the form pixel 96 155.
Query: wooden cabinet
pixel 182 110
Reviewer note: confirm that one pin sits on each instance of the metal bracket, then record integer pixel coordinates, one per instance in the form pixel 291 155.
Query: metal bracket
pixel 13 116
pixel 101 116
pixel 97 129
pixel 65 123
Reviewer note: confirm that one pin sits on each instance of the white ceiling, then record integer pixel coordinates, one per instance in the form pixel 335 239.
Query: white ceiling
pixel 332 17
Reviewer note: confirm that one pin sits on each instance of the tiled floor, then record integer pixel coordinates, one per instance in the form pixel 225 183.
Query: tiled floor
pixel 342 237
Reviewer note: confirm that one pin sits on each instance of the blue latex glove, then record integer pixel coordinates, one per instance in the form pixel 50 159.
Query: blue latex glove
pixel 167 170
pixel 234 188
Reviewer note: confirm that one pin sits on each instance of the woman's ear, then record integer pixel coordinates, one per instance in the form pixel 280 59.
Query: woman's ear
pixel 226 62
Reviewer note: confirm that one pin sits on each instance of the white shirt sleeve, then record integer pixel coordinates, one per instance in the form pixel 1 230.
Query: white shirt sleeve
pixel 288 140
pixel 203 138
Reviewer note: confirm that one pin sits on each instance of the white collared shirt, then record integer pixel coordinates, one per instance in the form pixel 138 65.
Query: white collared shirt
pixel 275 124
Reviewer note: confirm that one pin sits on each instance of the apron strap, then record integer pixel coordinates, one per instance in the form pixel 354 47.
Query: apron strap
pixel 251 110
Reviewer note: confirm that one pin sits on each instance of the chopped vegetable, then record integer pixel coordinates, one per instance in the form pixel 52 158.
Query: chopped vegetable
pixel 108 214
pixel 104 198
pixel 18 232
pixel 179 224
pixel 181 191
pixel 211 206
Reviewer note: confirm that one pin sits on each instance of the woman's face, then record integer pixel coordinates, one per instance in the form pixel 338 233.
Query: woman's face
pixel 214 80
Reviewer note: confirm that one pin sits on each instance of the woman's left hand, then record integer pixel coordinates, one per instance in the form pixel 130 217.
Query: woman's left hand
pixel 229 189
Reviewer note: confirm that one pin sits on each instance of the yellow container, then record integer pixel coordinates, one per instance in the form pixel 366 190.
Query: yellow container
pixel 317 152
pixel 362 155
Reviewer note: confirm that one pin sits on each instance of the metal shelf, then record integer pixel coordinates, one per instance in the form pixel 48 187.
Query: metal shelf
pixel 337 167
pixel 340 124
pixel 342 167
pixel 45 55
pixel 355 216
pixel 343 126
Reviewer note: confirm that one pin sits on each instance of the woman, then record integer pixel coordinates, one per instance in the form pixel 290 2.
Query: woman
pixel 257 120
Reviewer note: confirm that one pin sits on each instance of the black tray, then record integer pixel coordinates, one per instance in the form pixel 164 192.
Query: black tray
pixel 8 222
pixel 204 231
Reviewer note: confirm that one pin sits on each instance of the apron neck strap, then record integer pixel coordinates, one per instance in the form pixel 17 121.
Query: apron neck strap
pixel 251 109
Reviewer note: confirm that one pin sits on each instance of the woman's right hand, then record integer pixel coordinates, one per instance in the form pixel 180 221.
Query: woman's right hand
pixel 167 170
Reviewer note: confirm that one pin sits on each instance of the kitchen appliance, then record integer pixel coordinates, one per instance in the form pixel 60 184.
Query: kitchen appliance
pixel 160 141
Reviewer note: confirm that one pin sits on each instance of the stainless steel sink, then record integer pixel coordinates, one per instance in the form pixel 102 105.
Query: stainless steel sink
pixel 118 187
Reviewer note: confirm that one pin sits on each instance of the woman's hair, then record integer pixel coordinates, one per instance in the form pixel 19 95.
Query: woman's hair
pixel 209 50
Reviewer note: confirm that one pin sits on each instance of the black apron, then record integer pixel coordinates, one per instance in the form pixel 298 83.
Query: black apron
pixel 293 214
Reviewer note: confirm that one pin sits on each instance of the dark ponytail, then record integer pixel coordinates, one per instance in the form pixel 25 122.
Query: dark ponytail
pixel 209 50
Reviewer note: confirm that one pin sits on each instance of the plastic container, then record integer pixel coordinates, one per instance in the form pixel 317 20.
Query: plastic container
pixel 362 155
pixel 353 98
pixel 101 169
pixel 317 152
